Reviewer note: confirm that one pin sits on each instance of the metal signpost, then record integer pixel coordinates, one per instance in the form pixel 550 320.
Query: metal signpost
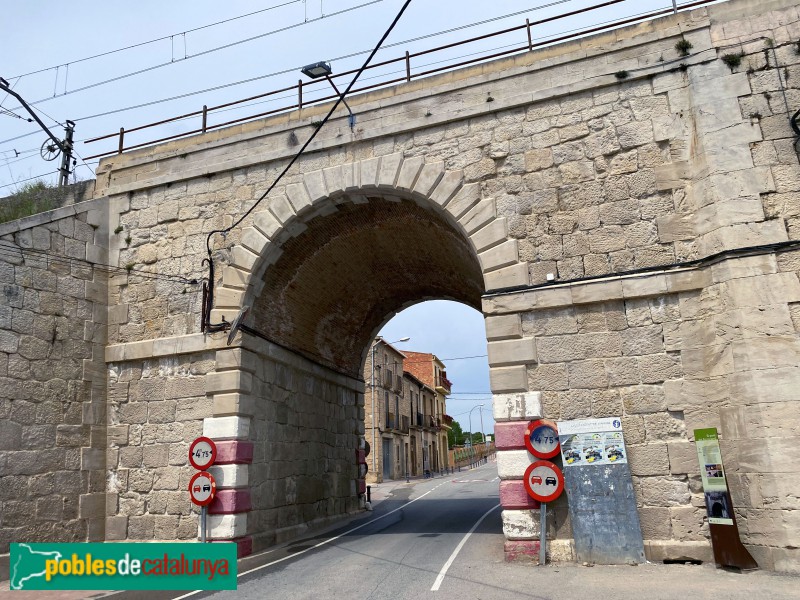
pixel 543 480
pixel 202 486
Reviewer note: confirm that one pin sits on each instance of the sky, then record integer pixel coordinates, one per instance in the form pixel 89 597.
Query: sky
pixel 455 333
pixel 44 44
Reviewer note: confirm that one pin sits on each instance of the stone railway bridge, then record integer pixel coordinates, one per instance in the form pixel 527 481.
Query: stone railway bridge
pixel 667 205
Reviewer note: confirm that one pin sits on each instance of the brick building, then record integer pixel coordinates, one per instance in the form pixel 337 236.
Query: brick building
pixel 432 414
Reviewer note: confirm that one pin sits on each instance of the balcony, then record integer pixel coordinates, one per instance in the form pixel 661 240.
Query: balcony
pixel 444 385
pixel 405 423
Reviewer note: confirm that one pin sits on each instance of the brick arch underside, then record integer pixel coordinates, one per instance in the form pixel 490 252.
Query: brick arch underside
pixel 342 277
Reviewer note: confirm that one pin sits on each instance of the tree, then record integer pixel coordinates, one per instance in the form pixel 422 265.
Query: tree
pixel 455 436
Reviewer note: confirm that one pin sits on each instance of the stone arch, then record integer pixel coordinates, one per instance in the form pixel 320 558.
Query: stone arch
pixel 392 176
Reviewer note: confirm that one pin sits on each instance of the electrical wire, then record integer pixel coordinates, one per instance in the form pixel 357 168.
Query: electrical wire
pixel 203 53
pixel 297 67
pixel 28 179
pixel 311 137
pixel 160 39
pixel 12 250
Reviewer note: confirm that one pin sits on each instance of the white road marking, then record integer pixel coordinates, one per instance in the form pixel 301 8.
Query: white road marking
pixel 443 572
pixel 328 541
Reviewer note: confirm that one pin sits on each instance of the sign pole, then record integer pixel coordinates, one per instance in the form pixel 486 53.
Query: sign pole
pixel 543 533
pixel 203 524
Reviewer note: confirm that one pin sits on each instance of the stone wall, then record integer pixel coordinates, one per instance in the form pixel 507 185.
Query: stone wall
pixel 287 433
pixel 710 169
pixel 663 203
pixel 52 376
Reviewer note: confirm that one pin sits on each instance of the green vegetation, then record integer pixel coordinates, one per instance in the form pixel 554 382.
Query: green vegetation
pixel 32 198
pixel 733 60
pixel 683 46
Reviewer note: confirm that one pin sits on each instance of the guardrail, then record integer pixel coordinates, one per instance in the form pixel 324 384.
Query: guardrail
pixel 302 88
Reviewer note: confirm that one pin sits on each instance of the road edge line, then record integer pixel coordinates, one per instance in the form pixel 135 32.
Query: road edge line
pixel 443 572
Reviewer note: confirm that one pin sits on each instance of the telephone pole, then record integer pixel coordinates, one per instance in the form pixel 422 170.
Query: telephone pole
pixel 50 151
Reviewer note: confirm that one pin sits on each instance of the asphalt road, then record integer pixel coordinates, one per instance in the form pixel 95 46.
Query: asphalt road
pixel 442 538
pixel 398 551
pixel 416 537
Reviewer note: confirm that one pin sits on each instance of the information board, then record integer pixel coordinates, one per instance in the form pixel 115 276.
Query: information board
pixel 592 442
pixel 599 488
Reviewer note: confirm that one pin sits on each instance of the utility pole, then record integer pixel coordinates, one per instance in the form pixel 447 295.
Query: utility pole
pixel 50 151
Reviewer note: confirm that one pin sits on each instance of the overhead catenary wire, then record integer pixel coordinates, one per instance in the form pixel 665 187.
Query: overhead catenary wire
pixel 18 181
pixel 159 39
pixel 293 69
pixel 311 137
pixel 199 54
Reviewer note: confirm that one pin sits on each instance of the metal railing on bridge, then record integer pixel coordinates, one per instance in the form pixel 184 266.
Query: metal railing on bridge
pixel 302 90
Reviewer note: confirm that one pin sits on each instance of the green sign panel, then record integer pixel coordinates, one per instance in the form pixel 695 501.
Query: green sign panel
pixel 124 566
pixel 713 475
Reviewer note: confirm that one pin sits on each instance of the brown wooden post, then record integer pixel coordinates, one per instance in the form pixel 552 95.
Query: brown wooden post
pixel 408 66
pixel 121 139
pixel 205 117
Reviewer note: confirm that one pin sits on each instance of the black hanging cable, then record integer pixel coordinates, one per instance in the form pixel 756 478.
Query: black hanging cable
pixel 209 303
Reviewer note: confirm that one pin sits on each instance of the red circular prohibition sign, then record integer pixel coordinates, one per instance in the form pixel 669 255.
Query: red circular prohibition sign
pixel 202 488
pixel 543 481
pixel 547 446
pixel 199 450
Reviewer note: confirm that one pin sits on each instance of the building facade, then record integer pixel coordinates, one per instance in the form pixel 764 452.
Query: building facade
pixel 386 415
pixel 432 416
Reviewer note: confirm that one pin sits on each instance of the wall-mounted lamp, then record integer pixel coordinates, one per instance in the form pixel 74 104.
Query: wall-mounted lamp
pixel 323 69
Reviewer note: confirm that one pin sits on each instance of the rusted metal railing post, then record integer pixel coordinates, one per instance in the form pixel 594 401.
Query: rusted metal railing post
pixel 408 66
pixel 530 39
pixel 121 139
pixel 299 93
pixel 205 117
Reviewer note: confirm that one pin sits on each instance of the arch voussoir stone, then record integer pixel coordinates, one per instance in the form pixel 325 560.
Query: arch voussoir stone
pixel 266 223
pixel 299 198
pixel 315 187
pixel 428 178
pixel 447 186
pixel 428 184
pixel 466 197
pixel 409 171
pixel 389 169
pixel 369 170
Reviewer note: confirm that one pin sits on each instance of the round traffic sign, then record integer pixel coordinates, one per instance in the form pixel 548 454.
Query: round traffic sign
pixel 202 488
pixel 543 481
pixel 202 453
pixel 541 438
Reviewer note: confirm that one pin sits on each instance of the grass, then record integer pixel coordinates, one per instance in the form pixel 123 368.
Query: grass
pixel 30 199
